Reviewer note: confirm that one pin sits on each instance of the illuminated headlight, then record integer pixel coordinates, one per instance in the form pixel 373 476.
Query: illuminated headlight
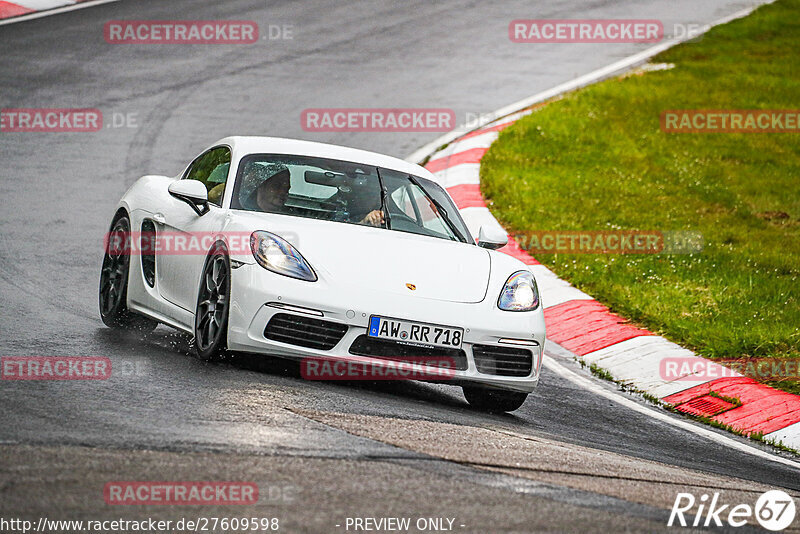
pixel 520 293
pixel 277 255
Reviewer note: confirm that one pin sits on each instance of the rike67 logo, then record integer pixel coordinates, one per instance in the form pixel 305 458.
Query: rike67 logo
pixel 774 510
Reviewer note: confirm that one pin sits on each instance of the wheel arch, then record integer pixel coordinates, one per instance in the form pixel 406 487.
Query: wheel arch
pixel 122 211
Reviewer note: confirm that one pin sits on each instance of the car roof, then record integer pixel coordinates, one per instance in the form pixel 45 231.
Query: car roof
pixel 244 145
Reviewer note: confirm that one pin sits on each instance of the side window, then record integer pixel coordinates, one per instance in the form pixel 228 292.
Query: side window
pixel 212 169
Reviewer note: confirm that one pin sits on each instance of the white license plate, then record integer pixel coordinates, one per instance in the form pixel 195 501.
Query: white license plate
pixel 431 335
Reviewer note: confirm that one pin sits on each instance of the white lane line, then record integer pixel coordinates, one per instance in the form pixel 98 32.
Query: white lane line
pixel 789 435
pixel 56 11
pixel 573 84
pixel 40 5
pixel 588 384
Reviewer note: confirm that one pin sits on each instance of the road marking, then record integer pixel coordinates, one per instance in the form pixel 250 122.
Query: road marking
pixel 595 388
pixel 40 14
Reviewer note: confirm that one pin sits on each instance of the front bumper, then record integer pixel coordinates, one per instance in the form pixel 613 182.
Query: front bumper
pixel 253 287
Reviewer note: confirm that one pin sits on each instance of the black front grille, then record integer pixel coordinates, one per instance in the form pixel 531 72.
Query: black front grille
pixel 304 331
pixel 502 361
pixel 392 350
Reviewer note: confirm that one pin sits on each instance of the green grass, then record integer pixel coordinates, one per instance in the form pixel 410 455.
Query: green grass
pixel 733 400
pixel 601 373
pixel 598 160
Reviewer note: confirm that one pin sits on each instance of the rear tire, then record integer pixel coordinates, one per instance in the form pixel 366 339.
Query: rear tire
pixel 213 304
pixel 113 292
pixel 493 400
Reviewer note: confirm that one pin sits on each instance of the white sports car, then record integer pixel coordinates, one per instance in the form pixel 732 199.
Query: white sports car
pixel 319 252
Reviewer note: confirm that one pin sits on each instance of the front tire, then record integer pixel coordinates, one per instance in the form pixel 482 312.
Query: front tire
pixel 493 400
pixel 113 292
pixel 213 303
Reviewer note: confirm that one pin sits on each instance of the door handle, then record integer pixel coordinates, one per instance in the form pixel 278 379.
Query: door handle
pixel 159 218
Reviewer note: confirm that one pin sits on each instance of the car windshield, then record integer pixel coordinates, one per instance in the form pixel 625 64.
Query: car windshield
pixel 346 192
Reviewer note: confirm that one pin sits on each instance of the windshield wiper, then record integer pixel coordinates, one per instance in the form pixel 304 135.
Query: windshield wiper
pixel 384 204
pixel 441 210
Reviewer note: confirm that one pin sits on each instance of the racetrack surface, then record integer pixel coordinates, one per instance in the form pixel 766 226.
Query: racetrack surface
pixel 566 460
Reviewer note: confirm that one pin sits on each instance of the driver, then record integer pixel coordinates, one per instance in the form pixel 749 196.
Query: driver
pixel 272 193
pixel 373 218
pixel 272 190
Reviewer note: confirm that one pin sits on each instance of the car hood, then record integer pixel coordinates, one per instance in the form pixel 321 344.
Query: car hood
pixel 383 261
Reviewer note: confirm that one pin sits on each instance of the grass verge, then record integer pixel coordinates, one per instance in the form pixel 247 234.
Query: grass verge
pixel 598 160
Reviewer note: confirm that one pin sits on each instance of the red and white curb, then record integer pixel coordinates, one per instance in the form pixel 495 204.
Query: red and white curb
pixel 20 10
pixel 587 328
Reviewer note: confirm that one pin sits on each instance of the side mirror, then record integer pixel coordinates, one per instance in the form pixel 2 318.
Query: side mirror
pixel 492 238
pixel 192 192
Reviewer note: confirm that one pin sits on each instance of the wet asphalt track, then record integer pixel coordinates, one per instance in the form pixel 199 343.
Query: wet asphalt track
pixel 59 192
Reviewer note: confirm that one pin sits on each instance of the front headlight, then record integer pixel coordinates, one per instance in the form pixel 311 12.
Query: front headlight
pixel 520 293
pixel 277 255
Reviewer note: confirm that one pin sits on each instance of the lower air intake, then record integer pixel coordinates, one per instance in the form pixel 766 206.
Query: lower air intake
pixel 502 361
pixel 304 331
